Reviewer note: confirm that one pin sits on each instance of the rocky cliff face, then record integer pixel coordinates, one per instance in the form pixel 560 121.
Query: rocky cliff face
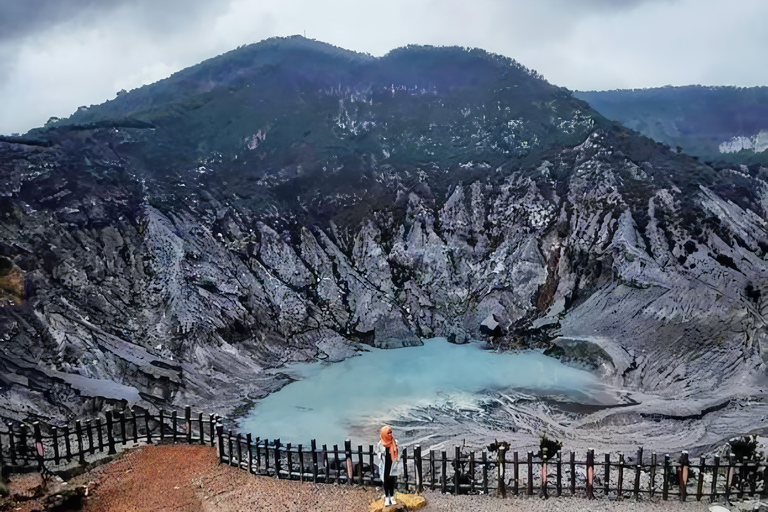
pixel 184 286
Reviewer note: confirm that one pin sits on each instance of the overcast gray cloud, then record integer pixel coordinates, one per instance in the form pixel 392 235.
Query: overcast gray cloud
pixel 58 54
pixel 23 18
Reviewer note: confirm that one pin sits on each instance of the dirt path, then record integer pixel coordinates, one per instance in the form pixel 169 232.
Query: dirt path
pixel 190 478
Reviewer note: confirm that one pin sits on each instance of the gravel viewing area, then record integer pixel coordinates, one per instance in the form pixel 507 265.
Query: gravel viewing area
pixel 190 478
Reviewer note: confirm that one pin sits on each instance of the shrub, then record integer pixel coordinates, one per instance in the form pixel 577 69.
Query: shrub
pixel 548 448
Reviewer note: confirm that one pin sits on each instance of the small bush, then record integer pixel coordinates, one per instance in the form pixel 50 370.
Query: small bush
pixel 548 448
pixel 745 447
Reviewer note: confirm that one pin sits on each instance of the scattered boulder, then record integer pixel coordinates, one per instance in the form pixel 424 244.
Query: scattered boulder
pixel 490 327
pixel 411 501
pixel 402 502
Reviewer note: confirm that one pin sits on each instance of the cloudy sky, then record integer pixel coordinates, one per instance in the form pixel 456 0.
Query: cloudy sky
pixel 58 54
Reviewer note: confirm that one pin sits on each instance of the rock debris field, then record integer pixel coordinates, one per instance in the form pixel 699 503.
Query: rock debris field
pixel 190 478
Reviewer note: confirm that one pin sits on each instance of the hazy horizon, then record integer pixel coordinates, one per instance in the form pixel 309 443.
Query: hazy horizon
pixel 59 54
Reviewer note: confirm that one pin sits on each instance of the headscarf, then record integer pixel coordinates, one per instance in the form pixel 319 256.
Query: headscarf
pixel 388 441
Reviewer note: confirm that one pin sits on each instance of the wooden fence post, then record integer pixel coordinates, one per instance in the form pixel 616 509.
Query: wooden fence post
pixel 530 474
pixel 11 444
pixel 202 427
pixel 590 474
pixel 360 464
pixel 472 472
pixel 162 425
pixel 348 464
pixel 456 470
pixel 211 429
pixel 89 433
pixel 110 437
pixel 606 487
pixel 146 423
pixel 134 420
pixel 56 458
pixel 301 463
pixel 123 432
pixel 573 473
pixel 327 465
pixel 742 476
pixel 249 440
pixel 39 448
pixel 405 468
pixel 67 446
pixel 559 473
pixel 325 461
pixel 188 422
pixel 729 477
pixel 80 448
pixel 239 450
pixel 485 473
pixel 652 480
pixel 174 426
pixel 620 481
pixel 22 444
pixel 277 458
pixel 700 484
pixel 715 471
pixel 432 476
pixel 544 472
pixel 99 434
pixel 683 475
pixel 501 465
pixel 336 462
pixel 639 465
pixel 444 482
pixel 289 456
pixel 229 449
pixel 266 456
pixel 515 475
pixel 370 462
pixel 220 436
pixel 313 445
pixel 665 486
pixel 417 469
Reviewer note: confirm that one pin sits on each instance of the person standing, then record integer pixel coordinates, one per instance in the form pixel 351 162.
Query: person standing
pixel 388 455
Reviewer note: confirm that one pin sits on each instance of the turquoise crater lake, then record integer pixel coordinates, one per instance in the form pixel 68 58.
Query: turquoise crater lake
pixel 328 400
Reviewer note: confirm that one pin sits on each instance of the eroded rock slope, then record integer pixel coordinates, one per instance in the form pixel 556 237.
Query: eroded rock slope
pixel 136 275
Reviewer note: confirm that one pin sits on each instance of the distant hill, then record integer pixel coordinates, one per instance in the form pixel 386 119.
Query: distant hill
pixel 715 123
pixel 299 111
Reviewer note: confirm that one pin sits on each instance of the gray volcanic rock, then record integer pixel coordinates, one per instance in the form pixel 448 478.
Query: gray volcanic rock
pixel 191 284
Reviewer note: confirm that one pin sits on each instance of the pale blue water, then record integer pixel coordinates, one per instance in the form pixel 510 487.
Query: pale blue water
pixel 383 384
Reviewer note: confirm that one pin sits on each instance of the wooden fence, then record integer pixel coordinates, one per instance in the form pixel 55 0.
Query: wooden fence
pixel 460 472
pixel 43 447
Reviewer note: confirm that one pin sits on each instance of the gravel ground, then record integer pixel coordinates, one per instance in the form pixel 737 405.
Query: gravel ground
pixel 437 501
pixel 190 479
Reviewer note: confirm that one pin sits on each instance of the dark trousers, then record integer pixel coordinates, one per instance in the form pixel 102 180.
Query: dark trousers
pixel 389 481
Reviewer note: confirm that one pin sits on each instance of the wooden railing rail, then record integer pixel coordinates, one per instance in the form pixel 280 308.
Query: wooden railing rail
pixel 38 446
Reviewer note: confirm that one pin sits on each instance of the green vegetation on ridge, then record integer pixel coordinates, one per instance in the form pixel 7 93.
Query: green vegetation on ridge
pixel 698 119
